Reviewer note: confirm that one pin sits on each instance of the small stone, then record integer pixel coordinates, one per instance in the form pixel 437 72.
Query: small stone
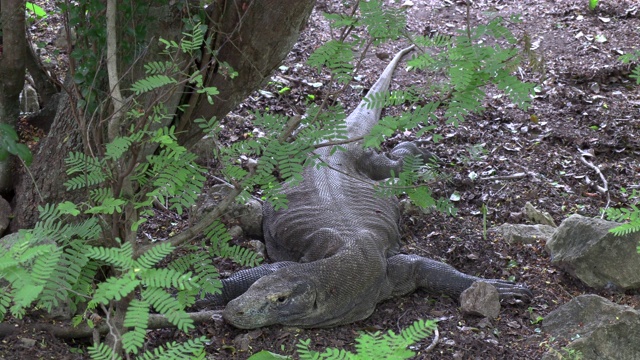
pixel 481 299
pixel 27 343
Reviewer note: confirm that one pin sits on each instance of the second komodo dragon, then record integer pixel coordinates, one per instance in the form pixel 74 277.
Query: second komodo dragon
pixel 336 246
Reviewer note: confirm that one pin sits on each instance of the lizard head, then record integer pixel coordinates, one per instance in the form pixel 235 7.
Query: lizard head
pixel 274 299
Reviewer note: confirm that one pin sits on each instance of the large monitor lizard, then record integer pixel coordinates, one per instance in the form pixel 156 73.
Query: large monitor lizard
pixel 336 246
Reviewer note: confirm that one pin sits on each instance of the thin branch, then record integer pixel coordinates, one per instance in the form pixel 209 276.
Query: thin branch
pixel 506 177
pixel 605 188
pixel 436 338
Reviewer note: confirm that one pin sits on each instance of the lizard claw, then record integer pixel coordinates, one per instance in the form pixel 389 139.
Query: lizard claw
pixel 511 290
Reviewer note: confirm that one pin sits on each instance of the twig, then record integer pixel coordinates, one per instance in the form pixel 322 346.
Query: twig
pixel 436 338
pixel 605 188
pixel 506 177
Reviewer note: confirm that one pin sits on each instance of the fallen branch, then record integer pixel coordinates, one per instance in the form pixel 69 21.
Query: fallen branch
pixel 604 189
pixel 506 177
pixel 436 338
pixel 65 331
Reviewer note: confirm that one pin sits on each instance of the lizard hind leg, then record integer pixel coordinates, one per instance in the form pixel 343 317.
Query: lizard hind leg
pixel 410 272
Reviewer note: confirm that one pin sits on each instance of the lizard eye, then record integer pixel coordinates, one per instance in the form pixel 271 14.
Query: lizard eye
pixel 281 299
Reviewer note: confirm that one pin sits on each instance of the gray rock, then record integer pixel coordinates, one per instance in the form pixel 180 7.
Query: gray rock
pixel 481 299
pixel 595 327
pixel 248 215
pixel 5 214
pixel 524 234
pixel 537 216
pixel 585 248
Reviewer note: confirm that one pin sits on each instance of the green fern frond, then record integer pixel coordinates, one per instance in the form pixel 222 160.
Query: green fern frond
pixel 192 348
pixel 337 56
pixel 626 229
pixel 154 255
pixel 383 23
pixel 160 67
pixel 220 238
pixel 192 41
pixel 99 195
pixel 206 275
pixel 167 278
pixel 93 171
pixel 375 345
pixel 114 289
pixel 102 352
pixel 165 304
pixel 152 82
pixel 5 301
pixel 137 317
pixel 117 147
pixel 120 257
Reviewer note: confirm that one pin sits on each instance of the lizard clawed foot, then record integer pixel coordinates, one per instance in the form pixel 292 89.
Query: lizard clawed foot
pixel 510 290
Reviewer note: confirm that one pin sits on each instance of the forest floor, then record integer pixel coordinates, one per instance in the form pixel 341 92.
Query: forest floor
pixel 586 103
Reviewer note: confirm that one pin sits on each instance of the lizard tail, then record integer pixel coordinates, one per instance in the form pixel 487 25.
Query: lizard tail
pixel 363 119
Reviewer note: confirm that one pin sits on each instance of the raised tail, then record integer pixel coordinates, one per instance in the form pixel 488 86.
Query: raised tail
pixel 363 119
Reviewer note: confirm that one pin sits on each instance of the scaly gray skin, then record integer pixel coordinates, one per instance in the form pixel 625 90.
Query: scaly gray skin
pixel 336 246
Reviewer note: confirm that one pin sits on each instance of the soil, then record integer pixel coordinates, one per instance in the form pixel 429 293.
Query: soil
pixel 586 103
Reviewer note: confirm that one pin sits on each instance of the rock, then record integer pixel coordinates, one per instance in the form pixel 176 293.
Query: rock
pixel 27 343
pixel 595 327
pixel 29 100
pixel 524 234
pixel 481 299
pixel 538 217
pixel 242 342
pixel 5 215
pixel 248 215
pixel 585 248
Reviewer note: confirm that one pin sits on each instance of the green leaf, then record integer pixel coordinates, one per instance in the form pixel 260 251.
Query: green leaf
pixel 268 355
pixel 68 207
pixel 37 10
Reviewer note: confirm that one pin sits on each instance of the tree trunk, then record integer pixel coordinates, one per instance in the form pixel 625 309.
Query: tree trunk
pixel 253 37
pixel 12 70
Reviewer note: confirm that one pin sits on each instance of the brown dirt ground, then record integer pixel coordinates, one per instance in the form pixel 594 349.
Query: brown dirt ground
pixel 587 102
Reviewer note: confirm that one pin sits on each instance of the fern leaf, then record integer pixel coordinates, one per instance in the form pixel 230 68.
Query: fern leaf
pixel 188 349
pixel 383 23
pixel 152 82
pixel 137 317
pixel 102 352
pixel 165 304
pixel 121 257
pixel 114 289
pixel 117 147
pixel 154 255
pixel 5 301
pixel 167 278
pixel 337 56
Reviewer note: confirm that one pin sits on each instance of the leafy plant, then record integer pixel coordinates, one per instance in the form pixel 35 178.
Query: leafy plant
pixel 9 145
pixel 368 346
pixel 593 4
pixel 631 214
pixel 628 58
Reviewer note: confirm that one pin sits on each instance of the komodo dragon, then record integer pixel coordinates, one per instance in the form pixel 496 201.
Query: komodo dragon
pixel 336 246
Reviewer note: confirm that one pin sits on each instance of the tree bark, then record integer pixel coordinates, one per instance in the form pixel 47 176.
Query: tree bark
pixel 240 36
pixel 12 71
